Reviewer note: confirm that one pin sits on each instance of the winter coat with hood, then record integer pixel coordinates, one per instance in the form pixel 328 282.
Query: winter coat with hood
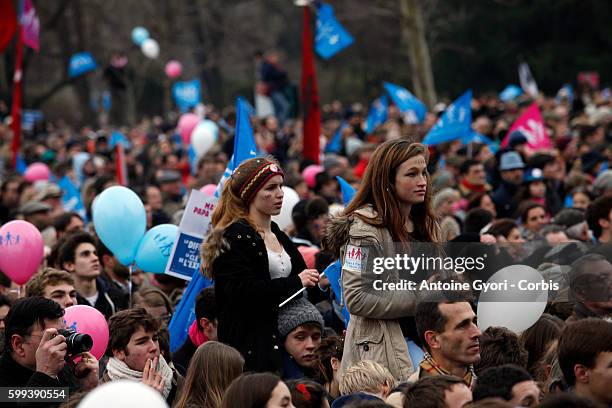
pixel 374 331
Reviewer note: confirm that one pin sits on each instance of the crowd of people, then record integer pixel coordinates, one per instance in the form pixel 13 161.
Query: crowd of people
pixel 407 348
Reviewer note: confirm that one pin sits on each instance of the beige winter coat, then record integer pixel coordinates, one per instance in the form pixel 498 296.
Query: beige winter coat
pixel 373 332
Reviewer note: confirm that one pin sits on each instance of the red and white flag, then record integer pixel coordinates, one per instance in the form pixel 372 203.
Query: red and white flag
pixel 530 123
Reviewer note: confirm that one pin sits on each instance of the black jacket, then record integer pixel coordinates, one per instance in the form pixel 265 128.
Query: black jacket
pixel 12 374
pixel 247 298
pixel 110 299
pixel 505 199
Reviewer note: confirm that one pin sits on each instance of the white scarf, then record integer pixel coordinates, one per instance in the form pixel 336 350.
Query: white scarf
pixel 118 370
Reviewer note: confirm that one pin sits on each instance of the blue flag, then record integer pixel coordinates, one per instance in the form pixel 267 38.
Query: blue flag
pixel 475 137
pixel 455 123
pixel 377 114
pixel 335 144
pixel 184 314
pixel 71 197
pixel 20 164
pixel 347 190
pixel 510 92
pixel 334 275
pixel 330 36
pixel 119 138
pixel 406 102
pixel 81 63
pixel 187 94
pixel 244 142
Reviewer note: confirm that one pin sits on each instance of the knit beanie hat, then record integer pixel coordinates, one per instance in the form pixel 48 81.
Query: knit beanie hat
pixel 296 313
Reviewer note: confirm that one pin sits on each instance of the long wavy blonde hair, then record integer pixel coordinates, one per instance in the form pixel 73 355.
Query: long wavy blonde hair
pixel 229 209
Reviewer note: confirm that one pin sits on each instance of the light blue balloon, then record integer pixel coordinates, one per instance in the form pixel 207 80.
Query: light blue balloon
pixel 120 220
pixel 139 35
pixel 155 247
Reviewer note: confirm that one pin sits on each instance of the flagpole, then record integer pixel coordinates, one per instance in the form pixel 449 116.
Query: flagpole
pixel 309 95
pixel 16 105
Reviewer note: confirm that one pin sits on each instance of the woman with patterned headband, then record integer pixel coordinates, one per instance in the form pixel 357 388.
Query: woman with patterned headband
pixel 255 266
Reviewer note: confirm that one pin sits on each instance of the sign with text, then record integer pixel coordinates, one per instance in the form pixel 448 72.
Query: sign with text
pixel 194 226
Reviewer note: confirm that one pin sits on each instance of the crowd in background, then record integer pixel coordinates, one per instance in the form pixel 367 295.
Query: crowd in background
pixel 480 193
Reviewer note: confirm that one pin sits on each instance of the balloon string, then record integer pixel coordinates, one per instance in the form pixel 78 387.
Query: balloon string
pixel 130 285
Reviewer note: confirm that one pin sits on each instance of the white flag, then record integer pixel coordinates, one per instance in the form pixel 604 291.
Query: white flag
pixel 527 82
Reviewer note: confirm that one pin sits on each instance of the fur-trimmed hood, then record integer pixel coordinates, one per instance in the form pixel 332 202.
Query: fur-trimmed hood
pixel 339 229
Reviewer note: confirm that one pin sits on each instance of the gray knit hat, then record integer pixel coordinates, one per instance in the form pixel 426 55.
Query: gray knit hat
pixel 296 313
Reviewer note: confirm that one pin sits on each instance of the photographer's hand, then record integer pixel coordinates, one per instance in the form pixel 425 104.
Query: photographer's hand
pixel 87 371
pixel 50 353
pixel 152 377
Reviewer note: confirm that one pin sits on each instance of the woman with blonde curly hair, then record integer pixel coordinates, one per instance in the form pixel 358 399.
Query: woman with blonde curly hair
pixel 255 266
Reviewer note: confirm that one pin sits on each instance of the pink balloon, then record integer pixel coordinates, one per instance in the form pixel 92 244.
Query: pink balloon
pixel 310 174
pixel 21 250
pixel 36 172
pixel 186 124
pixel 173 69
pixel 86 319
pixel 209 189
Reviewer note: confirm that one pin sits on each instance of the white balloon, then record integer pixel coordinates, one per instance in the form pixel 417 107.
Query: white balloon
pixel 123 394
pixel 204 136
pixel 290 199
pixel 150 48
pixel 511 305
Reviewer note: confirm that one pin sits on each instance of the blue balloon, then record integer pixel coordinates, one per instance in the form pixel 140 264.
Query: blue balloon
pixel 120 220
pixel 139 35
pixel 154 249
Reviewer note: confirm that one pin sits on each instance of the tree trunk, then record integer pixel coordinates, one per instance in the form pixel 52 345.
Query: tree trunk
pixel 208 35
pixel 82 83
pixel 413 36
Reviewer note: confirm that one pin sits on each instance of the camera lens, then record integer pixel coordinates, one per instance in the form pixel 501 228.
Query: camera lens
pixel 77 342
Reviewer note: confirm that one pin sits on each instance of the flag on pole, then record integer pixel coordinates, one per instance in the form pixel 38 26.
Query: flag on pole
pixel 406 102
pixel 346 189
pixel 244 142
pixel 16 106
pixel 71 197
pixel 31 26
pixel 310 95
pixel 81 63
pixel 377 114
pixel 331 37
pixel 528 83
pixel 531 124
pixel 455 123
pixel 184 314
pixel 510 92
pixel 335 144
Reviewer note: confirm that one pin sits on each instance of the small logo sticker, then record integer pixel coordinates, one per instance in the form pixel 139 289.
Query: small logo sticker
pixel 355 259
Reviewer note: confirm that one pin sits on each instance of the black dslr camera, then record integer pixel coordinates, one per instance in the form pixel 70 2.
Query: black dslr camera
pixel 77 342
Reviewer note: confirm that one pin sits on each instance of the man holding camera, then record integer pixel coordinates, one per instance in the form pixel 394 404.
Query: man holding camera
pixel 36 354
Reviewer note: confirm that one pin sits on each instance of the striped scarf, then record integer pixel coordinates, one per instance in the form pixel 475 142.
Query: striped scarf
pixel 430 368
